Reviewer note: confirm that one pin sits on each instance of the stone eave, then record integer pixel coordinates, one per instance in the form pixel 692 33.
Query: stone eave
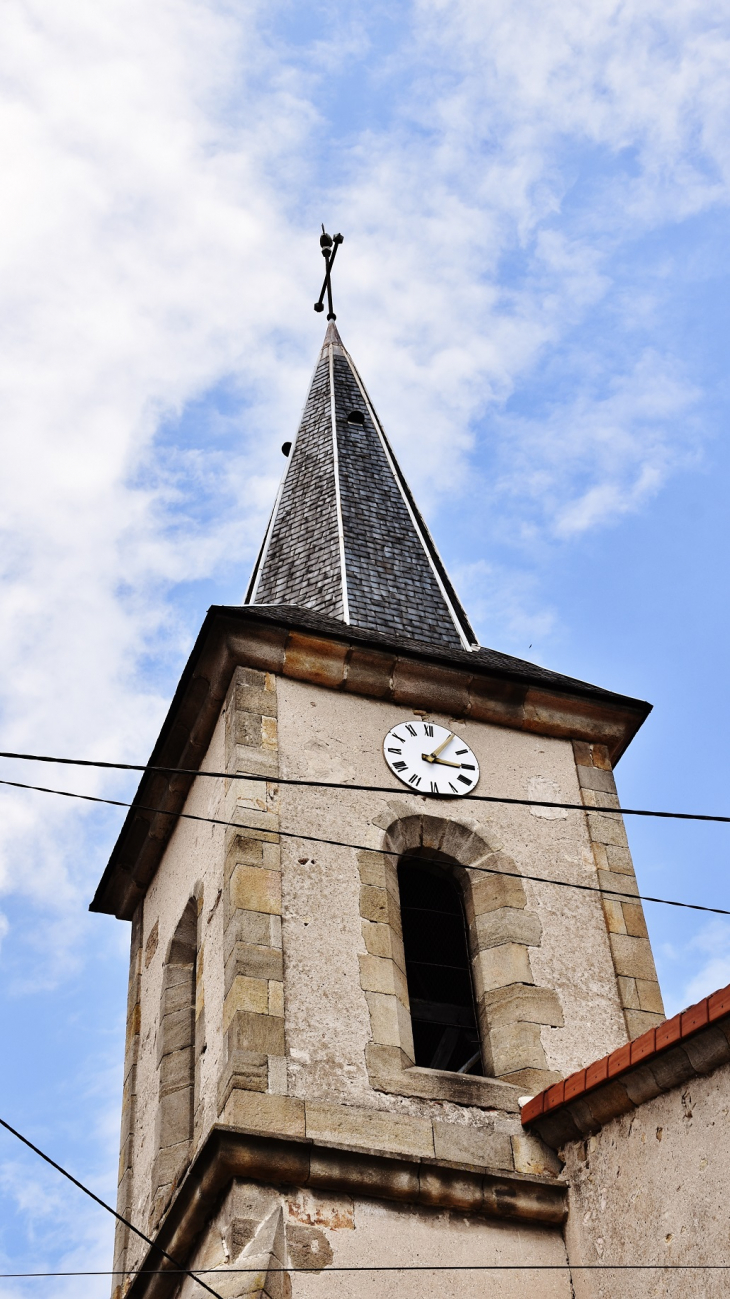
pixel 483 685
pixel 298 1161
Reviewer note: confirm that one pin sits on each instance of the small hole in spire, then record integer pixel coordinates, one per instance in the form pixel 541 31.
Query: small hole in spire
pixel 356 417
pixel 285 448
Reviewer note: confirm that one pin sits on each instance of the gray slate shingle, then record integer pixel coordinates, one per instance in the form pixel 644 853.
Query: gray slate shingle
pixel 389 557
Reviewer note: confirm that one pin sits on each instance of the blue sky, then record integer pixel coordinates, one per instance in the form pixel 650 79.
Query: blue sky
pixel 534 284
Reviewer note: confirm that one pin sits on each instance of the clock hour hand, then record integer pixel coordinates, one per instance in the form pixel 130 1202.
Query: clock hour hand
pixel 443 762
pixel 433 757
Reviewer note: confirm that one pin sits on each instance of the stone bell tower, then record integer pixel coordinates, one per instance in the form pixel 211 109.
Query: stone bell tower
pixel 340 984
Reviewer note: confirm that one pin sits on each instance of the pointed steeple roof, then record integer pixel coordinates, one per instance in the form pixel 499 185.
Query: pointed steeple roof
pixel 345 537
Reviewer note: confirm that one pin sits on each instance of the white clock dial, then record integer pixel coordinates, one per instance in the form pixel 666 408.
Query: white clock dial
pixel 430 759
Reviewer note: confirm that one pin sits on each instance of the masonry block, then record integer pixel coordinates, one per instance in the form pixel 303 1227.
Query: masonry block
pixel 254 928
pixel 244 851
pixel 650 997
pixel 175 1117
pixel 372 868
pixel 371 1128
pixel 614 882
pixel 632 956
pixel 383 941
pixel 465 1144
pixel 500 966
pixel 176 1070
pixel 491 892
pixel 390 1022
pixel 248 1070
pixel 628 992
pixel 281 1115
pixel 259 1033
pixel 385 1060
pixel 276 998
pixel 522 1002
pixel 254 889
pixel 606 828
pixel 254 692
pixel 531 1081
pixel 380 906
pixel 506 925
pixel 672 1068
pixel 638 1021
pixel 170 1162
pixel 382 975
pixel 177 995
pixel 253 961
pixel 619 859
pixel 175 1032
pixel 516 1046
pixel 531 1155
pixel 634 918
pixel 596 779
pixel 613 915
pixel 245 995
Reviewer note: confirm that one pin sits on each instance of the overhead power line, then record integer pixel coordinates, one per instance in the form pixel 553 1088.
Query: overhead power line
pixel 372 789
pixel 184 1270
pixel 361 847
pixel 407 1267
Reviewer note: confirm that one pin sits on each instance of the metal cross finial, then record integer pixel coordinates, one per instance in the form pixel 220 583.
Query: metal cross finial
pixel 329 246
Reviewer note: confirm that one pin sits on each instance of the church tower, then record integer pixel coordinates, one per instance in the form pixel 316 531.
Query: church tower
pixel 346 968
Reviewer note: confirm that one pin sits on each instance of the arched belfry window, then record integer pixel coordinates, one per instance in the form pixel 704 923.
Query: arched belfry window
pixel 438 968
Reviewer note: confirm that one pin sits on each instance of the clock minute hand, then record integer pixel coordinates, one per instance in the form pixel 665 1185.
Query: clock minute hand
pixel 433 757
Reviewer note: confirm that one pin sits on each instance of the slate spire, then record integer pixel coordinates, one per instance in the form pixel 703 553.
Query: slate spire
pixel 345 536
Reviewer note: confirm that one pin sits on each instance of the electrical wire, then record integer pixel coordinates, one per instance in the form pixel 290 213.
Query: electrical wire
pixel 184 1270
pixel 372 789
pixel 359 847
pixel 407 1267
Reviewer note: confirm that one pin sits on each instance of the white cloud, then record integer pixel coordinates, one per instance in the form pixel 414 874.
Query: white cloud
pixel 162 166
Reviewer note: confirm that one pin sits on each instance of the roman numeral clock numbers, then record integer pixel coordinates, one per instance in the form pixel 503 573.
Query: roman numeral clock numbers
pixel 431 759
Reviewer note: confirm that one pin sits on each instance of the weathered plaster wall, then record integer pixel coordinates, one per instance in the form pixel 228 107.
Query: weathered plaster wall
pixel 650 1188
pixel 261 1227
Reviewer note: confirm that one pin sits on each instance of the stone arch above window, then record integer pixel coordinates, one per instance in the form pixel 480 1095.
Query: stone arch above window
pixel 511 1009
pixel 176 1058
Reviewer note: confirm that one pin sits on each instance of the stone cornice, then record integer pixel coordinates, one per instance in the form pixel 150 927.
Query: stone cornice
pixel 290 643
pixel 284 1161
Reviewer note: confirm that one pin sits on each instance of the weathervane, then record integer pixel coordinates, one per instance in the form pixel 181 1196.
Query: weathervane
pixel 329 248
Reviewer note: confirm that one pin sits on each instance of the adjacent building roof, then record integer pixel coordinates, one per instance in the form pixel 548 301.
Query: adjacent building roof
pixel 695 1041
pixel 345 537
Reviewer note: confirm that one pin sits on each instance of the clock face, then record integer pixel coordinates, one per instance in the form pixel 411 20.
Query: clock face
pixel 430 759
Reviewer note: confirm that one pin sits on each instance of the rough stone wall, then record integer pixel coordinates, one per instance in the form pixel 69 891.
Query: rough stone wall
pixel 266 1230
pixel 651 1187
pixel 633 960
